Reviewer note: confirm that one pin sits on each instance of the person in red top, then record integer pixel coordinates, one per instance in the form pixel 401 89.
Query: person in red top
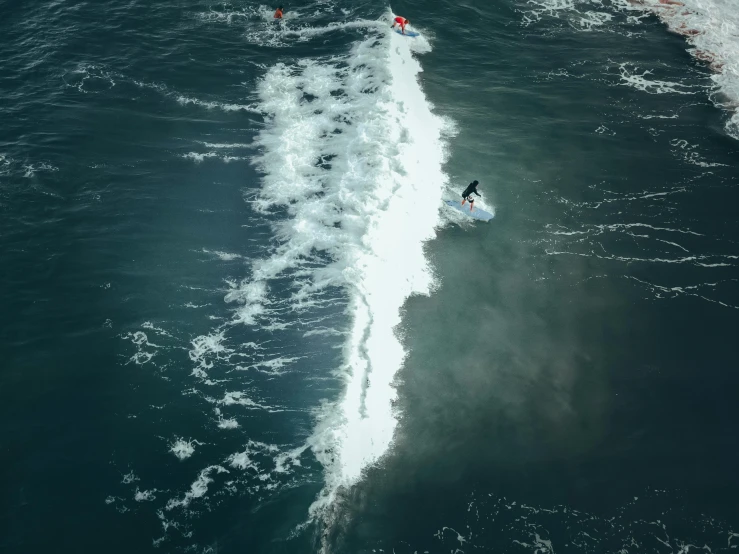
pixel 402 21
pixel 278 13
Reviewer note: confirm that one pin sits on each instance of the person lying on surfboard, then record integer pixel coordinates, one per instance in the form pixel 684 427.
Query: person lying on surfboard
pixel 468 192
pixel 402 21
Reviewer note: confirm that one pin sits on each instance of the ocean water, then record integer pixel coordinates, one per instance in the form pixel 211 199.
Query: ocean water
pixel 236 314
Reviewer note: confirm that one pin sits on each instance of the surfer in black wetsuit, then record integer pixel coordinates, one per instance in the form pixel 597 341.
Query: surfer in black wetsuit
pixel 468 192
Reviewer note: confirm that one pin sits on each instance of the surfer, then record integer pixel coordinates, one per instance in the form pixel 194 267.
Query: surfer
pixel 402 21
pixel 468 192
pixel 278 13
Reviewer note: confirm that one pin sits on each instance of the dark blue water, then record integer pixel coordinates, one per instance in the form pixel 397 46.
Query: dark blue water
pixel 569 385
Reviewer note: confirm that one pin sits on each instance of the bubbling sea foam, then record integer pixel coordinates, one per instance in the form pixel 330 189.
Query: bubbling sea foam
pixel 352 156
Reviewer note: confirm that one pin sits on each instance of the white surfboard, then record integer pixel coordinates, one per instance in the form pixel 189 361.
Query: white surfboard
pixel 475 213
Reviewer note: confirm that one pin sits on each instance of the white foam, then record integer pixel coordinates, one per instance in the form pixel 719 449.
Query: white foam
pixel 630 76
pixel 129 478
pixel 354 155
pixel 591 20
pixel 253 299
pixel 210 105
pixel 540 8
pixel 269 454
pixel 31 169
pixel 460 538
pixel 157 330
pixel 198 489
pixel 226 16
pixel 199 157
pixel 225 256
pixel 141 342
pixel 225 423
pixel 90 78
pixel 241 399
pixel 540 546
pixel 603 130
pixel 274 366
pixel 144 496
pixel 305 32
pixel 139 338
pixel 241 460
pixel 673 116
pixel 183 449
pixel 207 348
pixel 244 460
pixel 689 154
pixel 230 146
pixel 228 423
pixel 291 457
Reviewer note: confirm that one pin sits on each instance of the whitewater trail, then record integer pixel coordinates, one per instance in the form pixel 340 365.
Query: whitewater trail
pixel 352 159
